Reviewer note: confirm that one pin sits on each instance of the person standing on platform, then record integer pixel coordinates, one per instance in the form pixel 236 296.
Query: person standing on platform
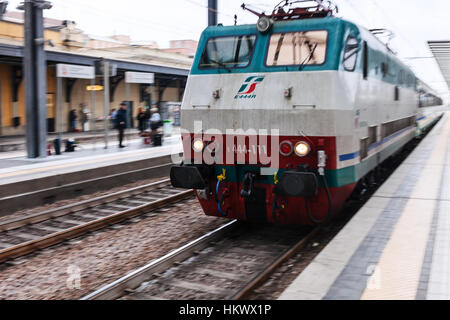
pixel 155 120
pixel 148 114
pixel 141 119
pixel 84 117
pixel 155 123
pixel 73 120
pixel 121 121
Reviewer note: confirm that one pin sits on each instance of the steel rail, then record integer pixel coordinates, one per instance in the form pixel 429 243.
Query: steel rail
pixel 65 189
pixel 263 275
pixel 57 237
pixel 15 223
pixel 135 278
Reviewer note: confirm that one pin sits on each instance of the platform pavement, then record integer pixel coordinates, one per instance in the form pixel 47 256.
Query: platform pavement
pixel 397 246
pixel 18 143
pixel 26 183
pixel 14 167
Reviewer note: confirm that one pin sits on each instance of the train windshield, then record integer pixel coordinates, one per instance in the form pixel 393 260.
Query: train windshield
pixel 228 52
pixel 297 48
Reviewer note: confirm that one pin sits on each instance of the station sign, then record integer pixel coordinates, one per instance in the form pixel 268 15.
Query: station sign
pixel 139 77
pixel 74 71
pixel 94 88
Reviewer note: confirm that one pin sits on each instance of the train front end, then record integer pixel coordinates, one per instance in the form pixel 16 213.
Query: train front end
pixel 260 122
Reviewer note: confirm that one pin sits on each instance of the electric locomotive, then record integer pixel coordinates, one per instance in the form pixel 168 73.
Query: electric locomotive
pixel 281 119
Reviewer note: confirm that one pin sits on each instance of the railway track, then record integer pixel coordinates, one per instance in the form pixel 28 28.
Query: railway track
pixel 27 234
pixel 51 188
pixel 227 263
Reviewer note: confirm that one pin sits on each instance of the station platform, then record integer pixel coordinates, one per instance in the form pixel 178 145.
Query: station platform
pixel 26 182
pixel 16 166
pixel 18 143
pixel 397 246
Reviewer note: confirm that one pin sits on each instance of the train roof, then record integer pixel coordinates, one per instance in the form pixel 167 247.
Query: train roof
pixel 282 25
pixel 305 24
pixel 337 27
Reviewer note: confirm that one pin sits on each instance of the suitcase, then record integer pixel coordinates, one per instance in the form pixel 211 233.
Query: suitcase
pixel 157 140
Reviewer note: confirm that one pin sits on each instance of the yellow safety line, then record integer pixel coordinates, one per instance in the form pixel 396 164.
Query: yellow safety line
pixel 397 274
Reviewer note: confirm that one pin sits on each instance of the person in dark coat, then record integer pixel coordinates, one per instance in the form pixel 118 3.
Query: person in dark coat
pixel 73 120
pixel 141 117
pixel 121 121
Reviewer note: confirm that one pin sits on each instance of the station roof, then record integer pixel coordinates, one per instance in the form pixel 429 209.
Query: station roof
pixel 441 51
pixel 124 60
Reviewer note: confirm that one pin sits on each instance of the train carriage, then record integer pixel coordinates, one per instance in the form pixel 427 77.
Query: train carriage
pixel 281 119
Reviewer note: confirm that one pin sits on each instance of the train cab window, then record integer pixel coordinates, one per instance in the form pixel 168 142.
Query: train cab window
pixel 350 53
pixel 228 52
pixel 297 48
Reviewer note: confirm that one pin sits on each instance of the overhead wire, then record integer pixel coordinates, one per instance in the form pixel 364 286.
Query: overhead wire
pixel 402 37
pixel 209 8
pixel 394 25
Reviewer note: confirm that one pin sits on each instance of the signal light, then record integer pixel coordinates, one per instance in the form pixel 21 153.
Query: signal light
pixel 302 148
pixel 286 148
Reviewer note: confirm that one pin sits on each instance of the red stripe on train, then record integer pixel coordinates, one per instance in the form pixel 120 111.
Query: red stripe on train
pixel 257 150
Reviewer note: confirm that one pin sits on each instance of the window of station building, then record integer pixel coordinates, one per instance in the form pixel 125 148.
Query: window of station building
pixel 228 52
pixel 350 53
pixel 297 48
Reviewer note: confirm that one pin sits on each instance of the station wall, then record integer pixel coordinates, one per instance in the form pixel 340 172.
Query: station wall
pixel 14 31
pixel 10 108
pixel 80 99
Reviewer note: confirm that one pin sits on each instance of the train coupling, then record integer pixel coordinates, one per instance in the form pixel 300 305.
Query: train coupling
pixel 301 183
pixel 187 177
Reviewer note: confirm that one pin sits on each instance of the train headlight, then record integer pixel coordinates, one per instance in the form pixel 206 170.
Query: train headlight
pixel 286 148
pixel 302 148
pixel 198 145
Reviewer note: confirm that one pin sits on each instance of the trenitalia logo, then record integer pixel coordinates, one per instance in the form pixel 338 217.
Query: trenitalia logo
pixel 248 87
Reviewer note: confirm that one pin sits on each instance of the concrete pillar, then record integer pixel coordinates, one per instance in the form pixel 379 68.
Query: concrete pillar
pixel 35 69
pixel 212 12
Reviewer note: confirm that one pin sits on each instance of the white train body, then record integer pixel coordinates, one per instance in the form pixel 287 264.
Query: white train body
pixel 353 109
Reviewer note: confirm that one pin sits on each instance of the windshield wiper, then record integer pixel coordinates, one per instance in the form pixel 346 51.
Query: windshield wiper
pixel 220 64
pixel 308 58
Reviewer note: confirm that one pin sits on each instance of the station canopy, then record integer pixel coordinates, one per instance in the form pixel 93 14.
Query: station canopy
pixel 441 51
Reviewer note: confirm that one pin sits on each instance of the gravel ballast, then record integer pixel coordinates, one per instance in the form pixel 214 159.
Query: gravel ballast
pixel 80 266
